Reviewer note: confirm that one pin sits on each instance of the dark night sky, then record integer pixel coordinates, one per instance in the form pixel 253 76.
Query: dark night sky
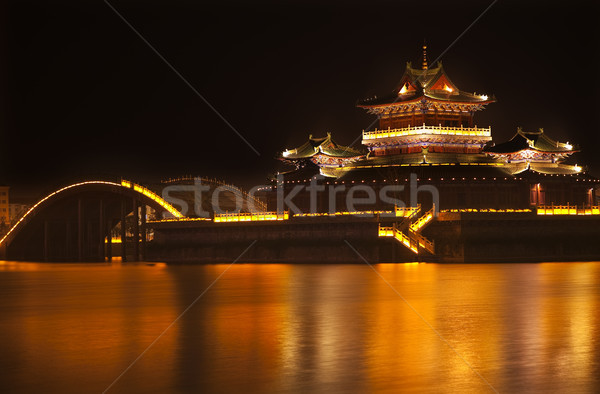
pixel 81 96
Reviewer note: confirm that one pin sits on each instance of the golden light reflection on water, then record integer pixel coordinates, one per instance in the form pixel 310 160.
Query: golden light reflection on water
pixel 301 328
pixel 571 311
pixel 65 323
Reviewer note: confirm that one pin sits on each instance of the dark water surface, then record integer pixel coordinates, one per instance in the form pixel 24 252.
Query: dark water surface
pixel 300 328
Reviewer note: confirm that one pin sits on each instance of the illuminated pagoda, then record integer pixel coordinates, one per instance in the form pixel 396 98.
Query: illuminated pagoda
pixel 426 111
pixel 427 128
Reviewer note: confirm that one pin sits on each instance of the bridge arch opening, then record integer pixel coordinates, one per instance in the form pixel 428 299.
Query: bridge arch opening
pixel 75 223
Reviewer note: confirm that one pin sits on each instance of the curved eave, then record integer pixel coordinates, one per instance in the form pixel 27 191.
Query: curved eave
pixel 282 157
pixel 340 157
pixel 388 103
pixel 544 168
pixel 355 155
pixel 532 149
pixel 430 96
pixel 419 98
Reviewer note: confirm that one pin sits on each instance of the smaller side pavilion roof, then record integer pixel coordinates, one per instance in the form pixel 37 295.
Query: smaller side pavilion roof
pixel 535 140
pixel 324 145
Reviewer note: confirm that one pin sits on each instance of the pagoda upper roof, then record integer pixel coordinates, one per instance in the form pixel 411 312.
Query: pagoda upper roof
pixel 533 140
pixel 431 83
pixel 325 145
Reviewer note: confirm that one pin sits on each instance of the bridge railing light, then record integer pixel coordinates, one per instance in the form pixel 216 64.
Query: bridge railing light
pixel 153 196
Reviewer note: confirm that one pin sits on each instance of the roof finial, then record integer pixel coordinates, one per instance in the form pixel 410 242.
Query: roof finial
pixel 424 55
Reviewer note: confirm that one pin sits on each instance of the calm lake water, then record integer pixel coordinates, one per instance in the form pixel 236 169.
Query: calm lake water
pixel 531 328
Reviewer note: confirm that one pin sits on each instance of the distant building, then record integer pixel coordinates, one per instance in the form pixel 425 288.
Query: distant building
pixel 4 211
pixel 15 211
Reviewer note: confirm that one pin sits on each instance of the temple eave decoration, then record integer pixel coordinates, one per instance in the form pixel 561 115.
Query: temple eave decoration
pixel 530 155
pixel 531 147
pixel 333 161
pixel 421 105
pixel 545 168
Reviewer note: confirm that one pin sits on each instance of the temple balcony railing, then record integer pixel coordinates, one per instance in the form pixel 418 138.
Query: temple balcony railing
pixel 428 130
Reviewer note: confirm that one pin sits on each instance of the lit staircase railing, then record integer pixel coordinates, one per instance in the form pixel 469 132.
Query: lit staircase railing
pixel 423 242
pixel 406 212
pixel 423 221
pixel 414 240
pixel 409 216
pixel 405 240
pixel 399 236
pixel 386 231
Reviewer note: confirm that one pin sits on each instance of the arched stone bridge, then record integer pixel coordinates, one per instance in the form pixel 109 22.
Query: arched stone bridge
pixel 75 223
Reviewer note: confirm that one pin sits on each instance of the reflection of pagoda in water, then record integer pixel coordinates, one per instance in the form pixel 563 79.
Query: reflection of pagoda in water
pixel 426 127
